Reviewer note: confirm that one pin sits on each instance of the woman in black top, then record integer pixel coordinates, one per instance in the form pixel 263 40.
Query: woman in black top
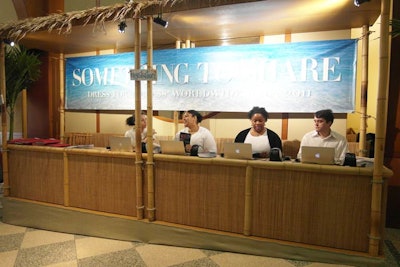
pixel 261 138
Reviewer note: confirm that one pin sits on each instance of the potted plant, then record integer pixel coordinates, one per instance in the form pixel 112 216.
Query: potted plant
pixel 22 67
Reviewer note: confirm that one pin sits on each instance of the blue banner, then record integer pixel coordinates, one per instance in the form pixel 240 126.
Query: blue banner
pixel 289 77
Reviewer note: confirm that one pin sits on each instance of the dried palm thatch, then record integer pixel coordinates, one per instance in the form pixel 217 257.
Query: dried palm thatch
pixel 63 22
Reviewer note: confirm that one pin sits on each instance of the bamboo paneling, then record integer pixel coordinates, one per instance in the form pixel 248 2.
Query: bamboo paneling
pixel 200 195
pixel 102 183
pixel 306 207
pixel 37 174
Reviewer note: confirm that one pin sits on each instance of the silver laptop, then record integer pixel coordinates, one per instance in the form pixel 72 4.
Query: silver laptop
pixel 318 155
pixel 238 151
pixel 120 143
pixel 172 147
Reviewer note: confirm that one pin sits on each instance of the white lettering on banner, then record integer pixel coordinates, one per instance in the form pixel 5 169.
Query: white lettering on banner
pixel 94 76
pixel 322 70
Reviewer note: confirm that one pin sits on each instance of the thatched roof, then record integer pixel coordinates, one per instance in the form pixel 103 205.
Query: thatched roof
pixel 63 22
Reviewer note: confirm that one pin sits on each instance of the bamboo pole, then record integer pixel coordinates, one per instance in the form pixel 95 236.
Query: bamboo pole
pixel 66 180
pixel 364 92
pixel 138 154
pixel 178 45
pixel 377 213
pixel 24 114
pixel 4 152
pixel 62 89
pixel 248 201
pixel 150 158
pixel 176 123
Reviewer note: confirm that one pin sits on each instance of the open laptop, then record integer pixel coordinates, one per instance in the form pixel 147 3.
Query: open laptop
pixel 318 155
pixel 120 143
pixel 238 151
pixel 172 147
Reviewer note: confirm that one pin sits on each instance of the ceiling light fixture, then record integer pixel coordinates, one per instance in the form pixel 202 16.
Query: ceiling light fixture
pixel 158 20
pixel 359 2
pixel 122 26
pixel 9 42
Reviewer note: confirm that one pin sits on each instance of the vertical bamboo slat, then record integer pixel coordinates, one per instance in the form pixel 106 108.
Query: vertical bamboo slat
pixel 6 185
pixel 248 201
pixel 61 107
pixel 150 159
pixel 364 92
pixel 138 154
pixel 375 236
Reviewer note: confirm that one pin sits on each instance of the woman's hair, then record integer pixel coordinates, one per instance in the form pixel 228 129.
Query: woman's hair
pixel 259 110
pixel 130 121
pixel 196 114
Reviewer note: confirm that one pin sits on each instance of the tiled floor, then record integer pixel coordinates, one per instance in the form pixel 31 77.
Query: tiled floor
pixel 26 247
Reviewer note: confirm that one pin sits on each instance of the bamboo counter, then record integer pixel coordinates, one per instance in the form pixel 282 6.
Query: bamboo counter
pixel 320 206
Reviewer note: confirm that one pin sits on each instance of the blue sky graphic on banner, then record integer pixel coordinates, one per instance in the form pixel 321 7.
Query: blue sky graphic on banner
pixel 289 77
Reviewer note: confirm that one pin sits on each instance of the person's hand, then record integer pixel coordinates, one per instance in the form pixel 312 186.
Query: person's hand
pixel 188 147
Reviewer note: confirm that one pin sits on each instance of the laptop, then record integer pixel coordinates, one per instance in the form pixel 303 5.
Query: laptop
pixel 172 147
pixel 238 151
pixel 120 143
pixel 318 155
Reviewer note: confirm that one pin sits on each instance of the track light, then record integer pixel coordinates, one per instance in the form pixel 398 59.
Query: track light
pixel 9 42
pixel 359 2
pixel 121 26
pixel 160 21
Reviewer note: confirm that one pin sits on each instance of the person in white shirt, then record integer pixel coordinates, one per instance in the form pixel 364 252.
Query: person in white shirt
pixel 324 136
pixel 130 121
pixel 199 135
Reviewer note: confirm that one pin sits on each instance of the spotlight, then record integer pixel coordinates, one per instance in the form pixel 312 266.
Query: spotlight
pixel 9 42
pixel 160 21
pixel 121 26
pixel 359 2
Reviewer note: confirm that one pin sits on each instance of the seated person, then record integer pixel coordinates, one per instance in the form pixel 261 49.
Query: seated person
pixel 199 135
pixel 260 138
pixel 130 121
pixel 325 137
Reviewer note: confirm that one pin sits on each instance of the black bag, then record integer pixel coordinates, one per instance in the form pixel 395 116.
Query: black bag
pixel 350 160
pixel 194 151
pixel 275 154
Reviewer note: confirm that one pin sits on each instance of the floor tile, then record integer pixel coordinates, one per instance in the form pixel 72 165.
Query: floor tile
pixel 40 237
pixel 128 258
pixel 8 258
pixel 158 255
pixel 46 254
pixel 92 246
pixel 11 242
pixel 239 260
pixel 6 229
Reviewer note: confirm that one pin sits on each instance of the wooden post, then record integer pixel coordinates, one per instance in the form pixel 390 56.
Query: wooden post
pixel 364 92
pixel 3 95
pixel 377 213
pixel 150 160
pixel 62 89
pixel 138 114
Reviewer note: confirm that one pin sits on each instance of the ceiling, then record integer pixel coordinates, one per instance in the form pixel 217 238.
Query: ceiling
pixel 240 23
